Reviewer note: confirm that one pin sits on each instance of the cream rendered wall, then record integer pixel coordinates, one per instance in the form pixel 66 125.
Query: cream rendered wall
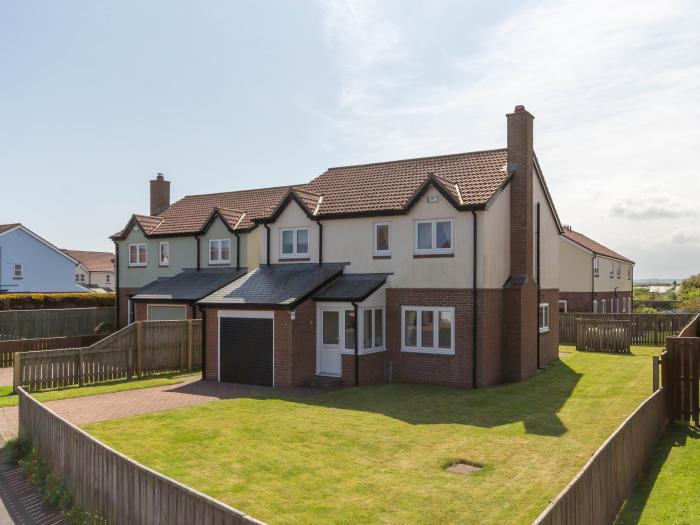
pixel 293 217
pixel 252 254
pixel 493 239
pixel 100 279
pixel 575 267
pixel 549 240
pixel 218 230
pixel 81 271
pixel 183 254
pixel 605 283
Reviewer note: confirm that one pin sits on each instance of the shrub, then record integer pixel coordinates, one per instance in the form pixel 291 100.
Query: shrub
pixel 642 309
pixel 17 449
pixel 28 301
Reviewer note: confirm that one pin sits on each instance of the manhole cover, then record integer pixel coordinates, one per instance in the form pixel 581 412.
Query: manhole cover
pixel 462 467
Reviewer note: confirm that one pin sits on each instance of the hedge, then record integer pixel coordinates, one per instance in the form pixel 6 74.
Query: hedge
pixel 33 301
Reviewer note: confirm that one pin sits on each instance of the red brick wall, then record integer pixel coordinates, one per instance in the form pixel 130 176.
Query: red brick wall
pixel 583 301
pixel 490 337
pixel 211 344
pixel 124 294
pixel 371 369
pixel 549 341
pixel 520 348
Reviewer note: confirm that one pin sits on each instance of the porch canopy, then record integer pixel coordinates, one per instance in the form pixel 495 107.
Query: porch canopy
pixel 189 285
pixel 354 287
pixel 277 285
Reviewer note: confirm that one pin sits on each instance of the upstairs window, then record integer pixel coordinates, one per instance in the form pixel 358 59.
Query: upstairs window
pixel 294 242
pixel 164 253
pixel 382 248
pixel 434 237
pixel 544 317
pixel 619 270
pixel 108 278
pixel 629 273
pixel 596 267
pixel 219 251
pixel 137 255
pixel 17 271
pixel 82 278
pixel 77 277
pixel 612 270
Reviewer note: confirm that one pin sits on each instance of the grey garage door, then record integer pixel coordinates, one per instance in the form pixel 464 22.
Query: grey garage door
pixel 245 350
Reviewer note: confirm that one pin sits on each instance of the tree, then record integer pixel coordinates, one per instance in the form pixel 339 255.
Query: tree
pixel 689 294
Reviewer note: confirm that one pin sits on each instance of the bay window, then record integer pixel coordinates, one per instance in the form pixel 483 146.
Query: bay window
pixel 373 329
pixel 427 329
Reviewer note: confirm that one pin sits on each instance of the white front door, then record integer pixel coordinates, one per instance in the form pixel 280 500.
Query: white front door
pixel 329 346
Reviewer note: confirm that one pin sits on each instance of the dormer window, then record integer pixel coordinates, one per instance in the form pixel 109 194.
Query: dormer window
pixel 433 237
pixel 294 243
pixel 219 251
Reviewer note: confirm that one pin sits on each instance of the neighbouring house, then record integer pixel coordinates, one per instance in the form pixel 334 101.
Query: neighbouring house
pixel 29 263
pixel 593 278
pixel 95 270
pixel 440 270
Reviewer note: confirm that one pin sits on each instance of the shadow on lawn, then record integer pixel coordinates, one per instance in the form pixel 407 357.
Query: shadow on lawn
pixel 675 436
pixel 535 402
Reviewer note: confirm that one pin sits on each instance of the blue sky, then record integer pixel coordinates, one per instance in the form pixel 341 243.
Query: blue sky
pixel 96 97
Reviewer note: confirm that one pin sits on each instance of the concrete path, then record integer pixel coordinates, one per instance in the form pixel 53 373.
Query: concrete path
pixel 6 376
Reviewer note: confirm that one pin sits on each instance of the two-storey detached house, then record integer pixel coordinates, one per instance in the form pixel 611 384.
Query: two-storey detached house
pixel 442 270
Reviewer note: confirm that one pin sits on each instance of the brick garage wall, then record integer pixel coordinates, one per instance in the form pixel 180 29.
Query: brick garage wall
pixel 412 367
pixel 211 343
pixel 371 369
pixel 549 341
pixel 124 294
pixel 295 345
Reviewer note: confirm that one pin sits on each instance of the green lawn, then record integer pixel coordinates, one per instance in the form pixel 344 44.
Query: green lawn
pixel 7 398
pixel 377 454
pixel 669 491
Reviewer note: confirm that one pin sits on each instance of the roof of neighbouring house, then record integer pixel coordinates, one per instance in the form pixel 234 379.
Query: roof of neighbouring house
pixel 93 261
pixel 6 227
pixel 352 287
pixel 282 285
pixel 190 284
pixel 593 246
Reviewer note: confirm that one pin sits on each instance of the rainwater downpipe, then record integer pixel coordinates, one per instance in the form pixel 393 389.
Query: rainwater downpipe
pixel 539 287
pixel 267 241
pixel 357 345
pixel 474 306
pixel 238 251
pixel 320 241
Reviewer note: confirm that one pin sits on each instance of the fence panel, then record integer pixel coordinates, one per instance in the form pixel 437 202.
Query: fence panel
pixel 33 324
pixel 681 369
pixel 106 482
pixel 603 335
pixel 646 329
pixel 9 348
pixel 599 490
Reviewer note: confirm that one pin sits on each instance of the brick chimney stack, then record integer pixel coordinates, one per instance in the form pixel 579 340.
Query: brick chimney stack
pixel 520 291
pixel 160 194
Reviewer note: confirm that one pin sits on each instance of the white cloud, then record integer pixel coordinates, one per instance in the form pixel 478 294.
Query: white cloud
pixel 652 205
pixel 613 87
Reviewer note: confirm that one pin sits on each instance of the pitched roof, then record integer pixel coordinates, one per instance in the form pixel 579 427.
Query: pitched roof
pixel 592 245
pixel 191 213
pixel 94 261
pixel 6 227
pixel 352 287
pixel 189 285
pixel 282 285
pixel 470 179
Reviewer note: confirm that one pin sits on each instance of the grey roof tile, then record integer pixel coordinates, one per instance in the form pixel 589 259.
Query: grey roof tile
pixel 352 287
pixel 189 285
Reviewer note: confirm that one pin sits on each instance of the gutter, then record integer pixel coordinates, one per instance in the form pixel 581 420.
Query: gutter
pixel 474 307
pixel 357 345
pixel 267 241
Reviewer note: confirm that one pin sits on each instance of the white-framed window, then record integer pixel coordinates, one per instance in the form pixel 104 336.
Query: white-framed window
pixel 164 253
pixel 137 255
pixel 17 271
pixel 604 305
pixel 563 306
pixel 108 278
pixel 338 327
pixel 544 317
pixel 82 278
pixel 617 305
pixel 219 251
pixel 434 237
pixel 619 270
pixel 428 329
pixel 294 242
pixel 595 306
pixel 629 273
pixel 373 332
pixel 77 277
pixel 612 270
pixel 596 266
pixel 382 242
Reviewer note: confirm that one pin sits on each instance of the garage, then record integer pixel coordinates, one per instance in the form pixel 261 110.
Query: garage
pixel 246 349
pixel 166 312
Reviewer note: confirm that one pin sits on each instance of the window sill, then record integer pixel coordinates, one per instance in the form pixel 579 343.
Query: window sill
pixel 544 330
pixel 18 278
pixel 219 263
pixel 429 351
pixel 295 259
pixel 138 266
pixel 363 351
pixel 163 266
pixel 432 255
pixel 381 256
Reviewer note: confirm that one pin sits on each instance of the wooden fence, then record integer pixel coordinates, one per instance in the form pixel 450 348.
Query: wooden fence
pixel 599 490
pixel 33 324
pixel 603 335
pixel 106 482
pixel 681 372
pixel 8 348
pixel 142 348
pixel 647 329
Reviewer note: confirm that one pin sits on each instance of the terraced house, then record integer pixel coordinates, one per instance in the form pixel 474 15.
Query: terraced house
pixel 594 278
pixel 441 269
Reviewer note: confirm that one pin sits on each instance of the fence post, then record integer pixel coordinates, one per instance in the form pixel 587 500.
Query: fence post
pixel 189 345
pixel 139 347
pixel 655 373
pixel 16 373
pixel 81 381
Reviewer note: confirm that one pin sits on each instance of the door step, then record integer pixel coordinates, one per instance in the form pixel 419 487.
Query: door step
pixel 323 382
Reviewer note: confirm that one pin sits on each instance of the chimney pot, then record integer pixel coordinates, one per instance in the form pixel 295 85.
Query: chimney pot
pixel 519 109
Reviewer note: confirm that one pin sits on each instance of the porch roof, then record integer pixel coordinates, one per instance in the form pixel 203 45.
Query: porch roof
pixel 281 285
pixel 189 285
pixel 352 287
